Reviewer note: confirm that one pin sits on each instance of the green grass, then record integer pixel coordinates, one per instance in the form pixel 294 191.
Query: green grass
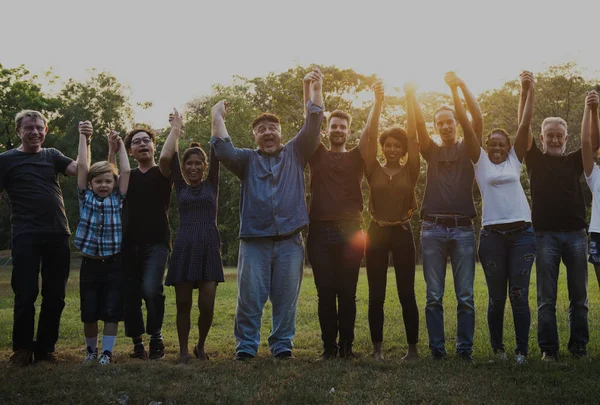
pixel 304 380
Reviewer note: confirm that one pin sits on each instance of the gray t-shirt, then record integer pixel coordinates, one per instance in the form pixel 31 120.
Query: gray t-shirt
pixel 31 181
pixel 450 177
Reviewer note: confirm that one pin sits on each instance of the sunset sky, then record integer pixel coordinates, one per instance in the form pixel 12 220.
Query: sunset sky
pixel 170 52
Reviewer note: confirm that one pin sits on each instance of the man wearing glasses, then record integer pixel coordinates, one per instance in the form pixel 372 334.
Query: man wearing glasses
pixel 146 243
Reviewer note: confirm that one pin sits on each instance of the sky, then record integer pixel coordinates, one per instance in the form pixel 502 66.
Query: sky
pixel 170 52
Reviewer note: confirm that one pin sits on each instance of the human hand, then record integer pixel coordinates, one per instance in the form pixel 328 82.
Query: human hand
pixel 527 80
pixel 113 141
pixel 219 110
pixel 379 91
pixel 452 80
pixel 410 88
pixel 316 79
pixel 592 99
pixel 176 120
pixel 85 128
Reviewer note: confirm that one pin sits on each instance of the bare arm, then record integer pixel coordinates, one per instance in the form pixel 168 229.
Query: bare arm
pixel 306 91
pixel 171 144
pixel 307 139
pixel 589 130
pixel 82 163
pixel 422 133
pixel 472 143
pixel 124 169
pixel 414 162
pixel 524 138
pixel 527 81
pixel 367 145
pixel 473 105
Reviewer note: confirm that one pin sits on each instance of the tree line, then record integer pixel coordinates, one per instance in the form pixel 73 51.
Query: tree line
pixel 560 91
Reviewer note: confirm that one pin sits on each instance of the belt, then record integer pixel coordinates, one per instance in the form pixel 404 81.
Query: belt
pixel 449 222
pixel 520 229
pixel 107 259
pixel 279 238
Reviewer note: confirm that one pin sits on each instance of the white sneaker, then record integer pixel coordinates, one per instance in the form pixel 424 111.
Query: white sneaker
pixel 105 358
pixel 501 355
pixel 90 355
pixel 521 359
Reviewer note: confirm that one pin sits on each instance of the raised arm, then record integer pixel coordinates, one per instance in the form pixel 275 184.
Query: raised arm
pixel 527 81
pixel 589 130
pixel 472 142
pixel 414 161
pixel 170 147
pixel 307 140
pixel 422 132
pixel 473 105
pixel 85 129
pixel 83 157
pixel 234 159
pixel 306 89
pixel 524 137
pixel 368 139
pixel 124 168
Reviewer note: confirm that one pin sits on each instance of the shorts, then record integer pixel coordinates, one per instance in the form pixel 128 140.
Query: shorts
pixel 101 289
pixel 594 257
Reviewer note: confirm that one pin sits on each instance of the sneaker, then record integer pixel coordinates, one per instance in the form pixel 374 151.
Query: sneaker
pixel 501 355
pixel 520 358
pixel 437 355
pixel 243 356
pixel 157 349
pixel 285 355
pixel 139 353
pixel 49 357
pixel 105 358
pixel 21 358
pixel 346 352
pixel 466 357
pixel 90 355
pixel 549 357
pixel 328 355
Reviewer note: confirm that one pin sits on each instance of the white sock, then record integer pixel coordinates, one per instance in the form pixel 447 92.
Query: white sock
pixel 92 342
pixel 108 343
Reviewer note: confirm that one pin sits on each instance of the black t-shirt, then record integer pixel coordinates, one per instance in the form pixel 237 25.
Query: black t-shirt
pixel 146 208
pixel 31 181
pixel 335 185
pixel 450 175
pixel 556 193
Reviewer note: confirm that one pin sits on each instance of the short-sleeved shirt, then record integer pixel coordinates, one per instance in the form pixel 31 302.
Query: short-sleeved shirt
pixel 594 182
pixel 504 200
pixel 335 185
pixel 392 197
pixel 146 209
pixel 557 201
pixel 31 181
pixel 99 232
pixel 449 187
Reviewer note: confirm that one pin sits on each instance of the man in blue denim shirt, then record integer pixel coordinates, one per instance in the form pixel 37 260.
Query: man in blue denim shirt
pixel 272 214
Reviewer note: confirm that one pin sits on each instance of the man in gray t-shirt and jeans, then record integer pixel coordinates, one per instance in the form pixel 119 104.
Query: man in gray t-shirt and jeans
pixel 40 235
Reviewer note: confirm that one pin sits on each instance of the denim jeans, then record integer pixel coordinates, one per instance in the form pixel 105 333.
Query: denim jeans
pixel 271 270
pixel 335 250
pixel 508 258
pixel 437 243
pixel 571 247
pixel 399 241
pixel 144 270
pixel 29 251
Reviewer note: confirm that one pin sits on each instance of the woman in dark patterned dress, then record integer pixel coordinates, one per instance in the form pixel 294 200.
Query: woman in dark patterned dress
pixel 196 258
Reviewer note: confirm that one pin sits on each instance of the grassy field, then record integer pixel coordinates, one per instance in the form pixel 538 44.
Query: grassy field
pixel 304 380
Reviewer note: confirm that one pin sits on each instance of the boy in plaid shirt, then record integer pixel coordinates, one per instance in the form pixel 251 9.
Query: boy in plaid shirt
pixel 99 233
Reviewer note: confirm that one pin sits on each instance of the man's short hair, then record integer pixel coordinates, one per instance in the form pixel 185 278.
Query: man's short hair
pixel 443 108
pixel 136 131
pixel 265 117
pixel 340 114
pixel 397 133
pixel 102 167
pixel 554 120
pixel 28 113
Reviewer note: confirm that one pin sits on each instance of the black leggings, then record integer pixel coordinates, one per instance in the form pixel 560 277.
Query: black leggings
pixel 381 240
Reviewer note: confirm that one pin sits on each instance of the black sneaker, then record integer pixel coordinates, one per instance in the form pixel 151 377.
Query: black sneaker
pixel 48 357
pixel 328 354
pixel 139 353
pixel 286 355
pixel 243 356
pixel 437 355
pixel 346 351
pixel 21 358
pixel 466 356
pixel 157 349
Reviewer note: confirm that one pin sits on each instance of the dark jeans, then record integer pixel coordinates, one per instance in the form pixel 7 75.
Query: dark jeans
pixel 571 247
pixel 507 258
pixel 335 250
pixel 144 269
pixel 101 289
pixel 29 251
pixel 381 241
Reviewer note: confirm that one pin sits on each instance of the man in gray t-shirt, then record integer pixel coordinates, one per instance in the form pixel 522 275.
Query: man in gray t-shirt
pixel 40 235
pixel 447 230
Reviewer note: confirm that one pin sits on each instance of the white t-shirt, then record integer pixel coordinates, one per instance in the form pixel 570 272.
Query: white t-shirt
pixel 594 182
pixel 504 200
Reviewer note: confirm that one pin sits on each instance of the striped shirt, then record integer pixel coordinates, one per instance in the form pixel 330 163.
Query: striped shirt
pixel 99 232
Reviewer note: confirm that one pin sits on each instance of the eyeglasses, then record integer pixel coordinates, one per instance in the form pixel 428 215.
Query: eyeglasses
pixel 139 141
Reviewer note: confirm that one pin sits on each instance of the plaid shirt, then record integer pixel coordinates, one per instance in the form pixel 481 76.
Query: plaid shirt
pixel 99 232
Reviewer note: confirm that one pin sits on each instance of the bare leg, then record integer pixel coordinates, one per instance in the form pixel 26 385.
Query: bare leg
pixel 183 298
pixel 207 291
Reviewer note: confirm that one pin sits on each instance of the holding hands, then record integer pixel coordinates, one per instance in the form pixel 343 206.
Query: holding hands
pixel 86 129
pixel 219 110
pixel 453 80
pixel 410 89
pixel 176 120
pixel 527 80
pixel 592 99
pixel 114 141
pixel 315 78
pixel 378 91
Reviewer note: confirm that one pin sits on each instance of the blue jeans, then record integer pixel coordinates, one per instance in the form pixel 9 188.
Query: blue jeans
pixel 507 258
pixel 571 247
pixel 437 243
pixel 144 270
pixel 272 270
